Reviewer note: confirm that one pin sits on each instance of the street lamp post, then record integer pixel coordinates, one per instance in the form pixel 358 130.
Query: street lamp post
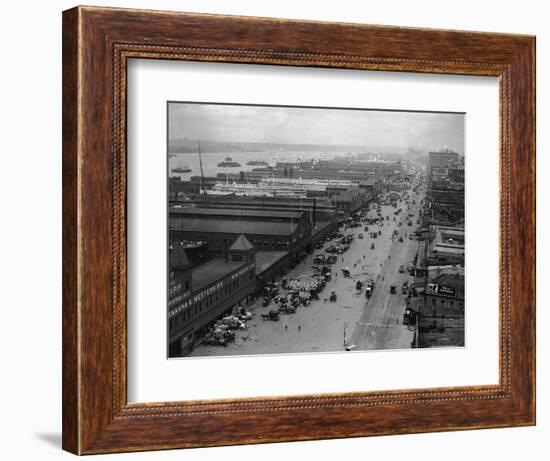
pixel 345 327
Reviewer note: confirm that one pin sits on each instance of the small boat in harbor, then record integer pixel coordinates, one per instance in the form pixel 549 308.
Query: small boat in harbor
pixel 229 162
pixel 181 169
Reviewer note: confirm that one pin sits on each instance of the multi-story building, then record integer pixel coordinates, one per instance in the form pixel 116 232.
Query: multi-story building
pixel 445 201
pixel 380 169
pixel 199 296
pixel 348 202
pixel 445 192
pixel 439 164
pixel 446 247
pixel 442 246
pixel 441 319
pixel 445 158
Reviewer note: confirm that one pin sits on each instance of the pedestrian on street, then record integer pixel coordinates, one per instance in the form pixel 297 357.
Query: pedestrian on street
pixel 299 328
pixel 286 327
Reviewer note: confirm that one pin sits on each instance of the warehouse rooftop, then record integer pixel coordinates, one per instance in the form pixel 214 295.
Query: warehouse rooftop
pixel 189 211
pixel 213 270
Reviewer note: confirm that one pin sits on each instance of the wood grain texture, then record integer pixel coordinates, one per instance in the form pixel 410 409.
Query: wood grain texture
pixel 70 384
pixel 97 43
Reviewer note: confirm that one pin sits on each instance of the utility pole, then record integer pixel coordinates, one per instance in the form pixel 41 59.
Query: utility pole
pixel 201 187
pixel 416 335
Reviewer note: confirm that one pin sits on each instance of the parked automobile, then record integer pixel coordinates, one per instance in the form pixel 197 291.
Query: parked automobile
pixel 331 259
pixel 288 309
pixel 368 291
pixel 274 315
pixel 393 289
pixel 409 317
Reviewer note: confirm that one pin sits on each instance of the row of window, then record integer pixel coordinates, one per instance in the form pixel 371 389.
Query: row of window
pixel 443 302
pixel 218 242
pixel 212 300
pixel 272 244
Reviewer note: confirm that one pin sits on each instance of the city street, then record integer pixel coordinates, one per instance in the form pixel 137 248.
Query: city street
pixel 381 326
pixel 353 320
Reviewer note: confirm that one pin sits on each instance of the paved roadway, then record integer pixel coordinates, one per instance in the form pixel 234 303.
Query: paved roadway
pixel 381 325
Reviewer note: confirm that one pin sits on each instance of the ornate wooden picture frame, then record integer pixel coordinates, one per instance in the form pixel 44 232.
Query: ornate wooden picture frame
pixel 97 44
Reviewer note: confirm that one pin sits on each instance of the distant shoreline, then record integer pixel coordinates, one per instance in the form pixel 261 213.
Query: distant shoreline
pixel 188 146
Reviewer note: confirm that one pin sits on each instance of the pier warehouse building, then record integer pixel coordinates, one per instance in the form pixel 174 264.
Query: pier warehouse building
pixel 321 212
pixel 266 230
pixel 200 295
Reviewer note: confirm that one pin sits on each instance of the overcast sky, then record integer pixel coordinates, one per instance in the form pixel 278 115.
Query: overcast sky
pixel 296 125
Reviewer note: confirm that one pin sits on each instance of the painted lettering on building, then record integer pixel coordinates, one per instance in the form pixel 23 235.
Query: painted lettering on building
pixel 187 299
pixel 242 271
pixel 435 288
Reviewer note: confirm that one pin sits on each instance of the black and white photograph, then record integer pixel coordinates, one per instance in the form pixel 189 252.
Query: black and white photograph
pixel 313 229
